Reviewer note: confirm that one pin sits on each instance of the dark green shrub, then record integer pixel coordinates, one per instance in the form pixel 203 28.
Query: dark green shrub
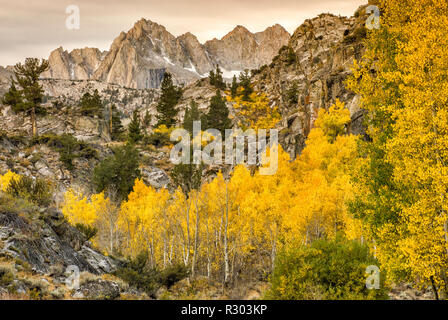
pixel 139 275
pixel 88 152
pixel 91 104
pixel 157 139
pixel 173 274
pixel 326 270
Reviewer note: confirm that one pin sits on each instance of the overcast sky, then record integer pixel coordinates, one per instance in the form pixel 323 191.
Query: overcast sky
pixel 33 28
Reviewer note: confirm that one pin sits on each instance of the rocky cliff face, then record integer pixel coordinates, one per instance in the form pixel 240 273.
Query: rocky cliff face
pixel 57 242
pixel 241 49
pixel 140 57
pixel 5 79
pixel 310 72
pixel 78 64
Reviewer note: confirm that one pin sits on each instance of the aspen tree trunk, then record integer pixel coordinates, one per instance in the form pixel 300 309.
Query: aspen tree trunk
pixel 226 250
pixel 171 251
pixel 164 254
pixel 207 234
pixel 196 239
pixel 187 258
pixel 273 254
pixel 111 237
pixel 152 250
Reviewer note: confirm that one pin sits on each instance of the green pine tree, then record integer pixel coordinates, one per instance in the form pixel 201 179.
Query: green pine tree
pixel 234 87
pixel 118 172
pixel 27 77
pixel 147 120
pixel 218 115
pixel 115 126
pixel 191 114
pixel 167 104
pixel 135 132
pixel 212 77
pixel 245 82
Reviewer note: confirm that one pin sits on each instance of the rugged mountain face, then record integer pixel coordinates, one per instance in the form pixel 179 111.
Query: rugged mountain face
pixel 309 73
pixel 140 57
pixel 241 49
pixel 79 64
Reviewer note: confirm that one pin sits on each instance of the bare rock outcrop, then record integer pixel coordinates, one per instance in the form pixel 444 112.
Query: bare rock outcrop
pixel 78 64
pixel 43 239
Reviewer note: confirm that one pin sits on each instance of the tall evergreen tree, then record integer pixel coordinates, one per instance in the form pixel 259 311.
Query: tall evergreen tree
pixel 116 174
pixel 135 131
pixel 147 119
pixel 167 104
pixel 218 115
pixel 245 82
pixel 191 114
pixel 115 127
pixel 234 87
pixel 27 77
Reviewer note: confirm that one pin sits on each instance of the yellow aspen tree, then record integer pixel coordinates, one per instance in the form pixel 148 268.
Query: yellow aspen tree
pixel 78 209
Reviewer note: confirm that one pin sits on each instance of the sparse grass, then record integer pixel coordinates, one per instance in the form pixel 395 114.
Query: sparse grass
pixel 86 277
pixel 6 277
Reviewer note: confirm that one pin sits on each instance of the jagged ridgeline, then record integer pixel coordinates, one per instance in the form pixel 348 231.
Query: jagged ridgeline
pixel 136 58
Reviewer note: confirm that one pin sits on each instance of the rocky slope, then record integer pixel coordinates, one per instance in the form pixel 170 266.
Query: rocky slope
pixel 37 246
pixel 55 242
pixel 140 57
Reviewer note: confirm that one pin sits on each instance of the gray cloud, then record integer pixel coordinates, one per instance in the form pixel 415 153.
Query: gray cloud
pixel 35 27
